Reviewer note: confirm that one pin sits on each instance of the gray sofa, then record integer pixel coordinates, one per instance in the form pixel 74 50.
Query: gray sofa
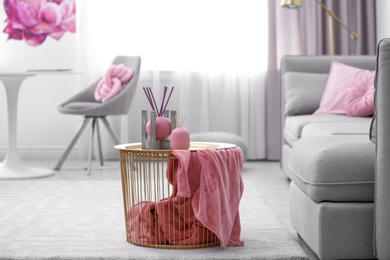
pixel 303 79
pixel 330 161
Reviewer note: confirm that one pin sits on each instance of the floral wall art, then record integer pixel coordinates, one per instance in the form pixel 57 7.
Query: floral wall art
pixel 33 21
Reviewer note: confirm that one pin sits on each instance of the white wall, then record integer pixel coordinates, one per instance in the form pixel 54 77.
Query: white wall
pixel 382 19
pixel 42 131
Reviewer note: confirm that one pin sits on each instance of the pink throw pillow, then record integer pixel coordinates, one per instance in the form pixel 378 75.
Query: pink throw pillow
pixel 112 82
pixel 341 78
pixel 360 98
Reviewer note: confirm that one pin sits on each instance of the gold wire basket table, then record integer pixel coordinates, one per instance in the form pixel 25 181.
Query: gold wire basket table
pixel 154 215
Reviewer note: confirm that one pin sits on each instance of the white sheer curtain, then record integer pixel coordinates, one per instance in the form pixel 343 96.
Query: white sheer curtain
pixel 214 52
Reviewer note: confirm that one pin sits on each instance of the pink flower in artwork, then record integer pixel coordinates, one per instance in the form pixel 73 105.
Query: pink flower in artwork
pixel 34 20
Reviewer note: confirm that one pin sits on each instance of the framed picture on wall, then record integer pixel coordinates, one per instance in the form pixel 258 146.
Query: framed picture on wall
pixel 34 21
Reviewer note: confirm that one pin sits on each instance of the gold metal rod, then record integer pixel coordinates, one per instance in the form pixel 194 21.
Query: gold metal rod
pixel 354 35
pixel 332 17
pixel 124 189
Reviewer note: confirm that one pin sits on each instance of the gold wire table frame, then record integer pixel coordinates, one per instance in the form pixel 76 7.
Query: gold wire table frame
pixel 154 215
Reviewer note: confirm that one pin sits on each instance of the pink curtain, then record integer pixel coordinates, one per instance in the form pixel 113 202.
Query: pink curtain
pixel 305 31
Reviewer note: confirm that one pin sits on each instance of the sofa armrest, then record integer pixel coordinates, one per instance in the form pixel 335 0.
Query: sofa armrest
pixel 382 169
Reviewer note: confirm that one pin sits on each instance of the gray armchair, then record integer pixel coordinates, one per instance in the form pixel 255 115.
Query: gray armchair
pixel 84 104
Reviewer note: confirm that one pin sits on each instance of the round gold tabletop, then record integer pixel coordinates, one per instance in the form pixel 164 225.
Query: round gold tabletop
pixel 194 146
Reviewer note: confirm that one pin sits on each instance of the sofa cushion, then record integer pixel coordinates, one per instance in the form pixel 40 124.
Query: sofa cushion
pixel 351 128
pixel 341 78
pixel 303 92
pixel 360 98
pixel 112 82
pixel 334 168
pixel 294 125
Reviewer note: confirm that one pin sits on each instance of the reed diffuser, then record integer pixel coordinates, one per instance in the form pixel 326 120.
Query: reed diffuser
pixel 180 136
pixel 163 124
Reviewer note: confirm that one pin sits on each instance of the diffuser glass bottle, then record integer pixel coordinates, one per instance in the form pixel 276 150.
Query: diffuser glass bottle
pixel 180 136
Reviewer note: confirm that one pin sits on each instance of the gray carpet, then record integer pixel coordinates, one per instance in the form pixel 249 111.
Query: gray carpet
pixel 58 219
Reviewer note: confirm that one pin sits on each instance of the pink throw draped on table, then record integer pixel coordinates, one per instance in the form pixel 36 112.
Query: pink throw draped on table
pixel 207 189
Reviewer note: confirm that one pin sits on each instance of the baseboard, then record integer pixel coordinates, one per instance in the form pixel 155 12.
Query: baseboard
pixel 42 152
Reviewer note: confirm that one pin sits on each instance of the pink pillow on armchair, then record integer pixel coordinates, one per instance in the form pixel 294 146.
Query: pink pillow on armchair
pixel 112 82
pixel 360 98
pixel 341 78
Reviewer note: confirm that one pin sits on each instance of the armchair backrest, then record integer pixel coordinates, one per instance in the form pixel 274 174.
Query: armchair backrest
pixel 119 104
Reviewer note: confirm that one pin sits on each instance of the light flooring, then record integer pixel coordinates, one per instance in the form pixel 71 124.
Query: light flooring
pixel 269 179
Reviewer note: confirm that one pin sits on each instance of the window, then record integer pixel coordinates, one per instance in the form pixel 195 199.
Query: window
pixel 198 35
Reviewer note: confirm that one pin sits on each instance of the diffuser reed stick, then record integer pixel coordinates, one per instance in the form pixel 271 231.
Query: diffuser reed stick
pixel 152 101
pixel 180 121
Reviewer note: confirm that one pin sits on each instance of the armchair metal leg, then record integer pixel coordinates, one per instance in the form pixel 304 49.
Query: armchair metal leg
pixel 99 142
pixel 91 147
pixel 72 143
pixel 110 131
pixel 90 152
